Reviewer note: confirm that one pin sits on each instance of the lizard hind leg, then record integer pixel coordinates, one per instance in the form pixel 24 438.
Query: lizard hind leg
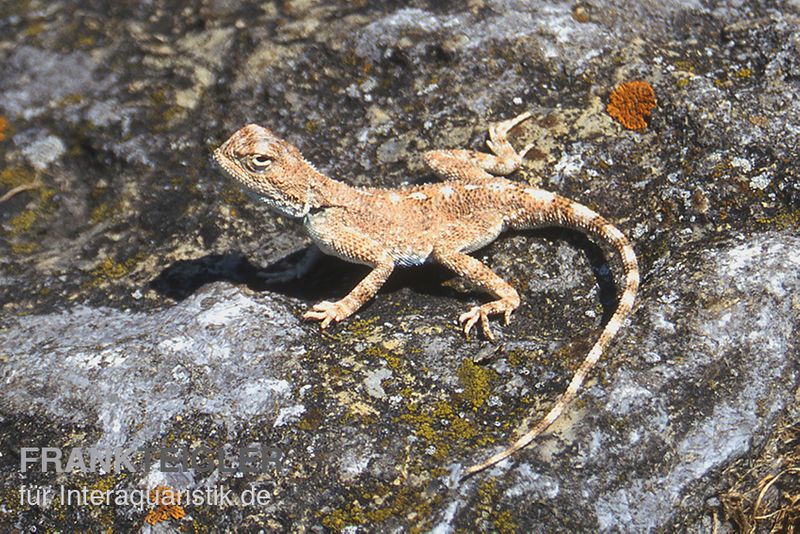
pixel 484 278
pixel 498 139
pixel 466 165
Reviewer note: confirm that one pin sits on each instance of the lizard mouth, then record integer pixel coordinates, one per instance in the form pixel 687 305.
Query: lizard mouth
pixel 224 162
pixel 233 171
pixel 217 155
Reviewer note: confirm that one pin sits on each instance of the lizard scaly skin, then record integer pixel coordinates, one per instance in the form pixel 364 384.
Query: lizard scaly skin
pixel 440 222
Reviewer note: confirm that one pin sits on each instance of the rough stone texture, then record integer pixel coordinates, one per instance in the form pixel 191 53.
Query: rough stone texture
pixel 131 313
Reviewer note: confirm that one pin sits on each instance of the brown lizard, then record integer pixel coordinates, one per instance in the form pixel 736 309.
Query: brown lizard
pixel 439 222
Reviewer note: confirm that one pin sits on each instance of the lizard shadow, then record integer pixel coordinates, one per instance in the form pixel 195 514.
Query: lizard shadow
pixel 183 278
pixel 331 278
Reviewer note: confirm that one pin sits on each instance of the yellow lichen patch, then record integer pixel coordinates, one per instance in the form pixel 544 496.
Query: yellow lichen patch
pixel 113 270
pixel 22 222
pixel 393 344
pixel 336 520
pixel 311 420
pixel 759 120
pixel 11 501
pixel 476 382
pixel 103 515
pixel 366 329
pixel 24 248
pixel 440 426
pixel 16 180
pixel 517 357
pixel 394 362
pixel 16 176
pixel 428 330
pixel 401 501
pixel 71 99
pixel 488 510
pixel 685 66
pixel 631 103
pixel 3 127
pixel 86 41
pixel 355 407
pixel 168 505
pixel 103 212
pixel 782 221
pixel 378 505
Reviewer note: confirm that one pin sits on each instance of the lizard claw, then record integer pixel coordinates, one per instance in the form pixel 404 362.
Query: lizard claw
pixel 501 129
pixel 528 148
pixel 498 141
pixel 468 320
pixel 326 312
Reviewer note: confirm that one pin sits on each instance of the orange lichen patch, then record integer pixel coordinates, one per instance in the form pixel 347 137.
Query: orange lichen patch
pixel 631 102
pixel 168 505
pixel 3 127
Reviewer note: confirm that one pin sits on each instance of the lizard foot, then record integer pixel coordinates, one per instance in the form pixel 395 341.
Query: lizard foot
pixel 327 312
pixel 498 138
pixel 482 313
pixel 498 132
pixel 468 320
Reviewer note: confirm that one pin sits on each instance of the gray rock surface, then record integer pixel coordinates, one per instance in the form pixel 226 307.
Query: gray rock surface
pixel 132 315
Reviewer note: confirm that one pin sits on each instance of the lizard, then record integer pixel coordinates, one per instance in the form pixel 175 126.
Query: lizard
pixel 440 222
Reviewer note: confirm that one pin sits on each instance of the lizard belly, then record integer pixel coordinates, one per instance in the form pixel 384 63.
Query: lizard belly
pixel 409 257
pixel 480 237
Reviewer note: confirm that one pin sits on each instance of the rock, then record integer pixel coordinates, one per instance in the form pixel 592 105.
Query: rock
pixel 134 316
pixel 697 380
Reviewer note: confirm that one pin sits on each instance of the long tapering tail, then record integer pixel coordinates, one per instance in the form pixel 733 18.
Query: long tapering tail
pixel 571 214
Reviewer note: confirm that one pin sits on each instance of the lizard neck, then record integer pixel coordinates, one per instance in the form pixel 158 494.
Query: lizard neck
pixel 301 188
pixel 325 192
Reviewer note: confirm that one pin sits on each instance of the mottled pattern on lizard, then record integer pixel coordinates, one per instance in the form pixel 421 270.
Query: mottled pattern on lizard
pixel 439 222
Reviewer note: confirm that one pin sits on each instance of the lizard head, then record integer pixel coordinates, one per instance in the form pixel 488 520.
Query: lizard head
pixel 272 169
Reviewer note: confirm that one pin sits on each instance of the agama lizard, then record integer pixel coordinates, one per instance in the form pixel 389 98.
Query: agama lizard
pixel 438 222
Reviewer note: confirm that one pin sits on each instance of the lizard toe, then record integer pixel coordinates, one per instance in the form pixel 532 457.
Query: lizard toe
pixel 326 312
pixel 501 129
pixel 468 319
pixel 487 331
pixel 312 315
pixel 524 152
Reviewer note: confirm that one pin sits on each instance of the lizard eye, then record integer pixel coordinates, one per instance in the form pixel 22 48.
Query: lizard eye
pixel 257 163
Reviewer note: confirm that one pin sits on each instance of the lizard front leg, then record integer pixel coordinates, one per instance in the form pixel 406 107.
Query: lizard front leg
pixel 328 312
pixel 471 165
pixel 333 236
pixel 484 278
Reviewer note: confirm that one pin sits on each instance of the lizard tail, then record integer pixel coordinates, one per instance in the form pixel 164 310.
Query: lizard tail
pixel 574 215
